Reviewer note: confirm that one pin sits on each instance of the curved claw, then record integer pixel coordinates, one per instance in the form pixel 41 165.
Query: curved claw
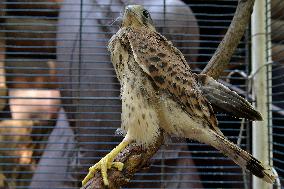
pixel 106 163
pixel 103 165
pixel 87 178
pixel 118 165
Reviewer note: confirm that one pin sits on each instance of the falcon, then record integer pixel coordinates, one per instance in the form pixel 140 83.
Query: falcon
pixel 159 91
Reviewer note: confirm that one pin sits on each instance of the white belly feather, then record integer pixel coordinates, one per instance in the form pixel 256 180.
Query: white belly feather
pixel 139 117
pixel 175 121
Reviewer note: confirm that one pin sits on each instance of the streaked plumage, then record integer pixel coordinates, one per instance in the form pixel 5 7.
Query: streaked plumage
pixel 224 99
pixel 158 90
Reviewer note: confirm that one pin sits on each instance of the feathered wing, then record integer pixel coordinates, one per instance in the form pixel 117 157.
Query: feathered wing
pixel 226 100
pixel 167 67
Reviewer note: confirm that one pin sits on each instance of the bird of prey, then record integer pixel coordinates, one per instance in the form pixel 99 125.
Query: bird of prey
pixel 159 91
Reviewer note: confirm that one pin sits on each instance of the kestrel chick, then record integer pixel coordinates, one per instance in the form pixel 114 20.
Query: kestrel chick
pixel 158 90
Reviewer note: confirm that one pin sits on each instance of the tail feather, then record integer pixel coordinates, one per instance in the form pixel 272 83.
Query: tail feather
pixel 239 156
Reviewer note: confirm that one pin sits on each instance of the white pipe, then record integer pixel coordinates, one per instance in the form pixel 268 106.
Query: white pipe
pixel 260 131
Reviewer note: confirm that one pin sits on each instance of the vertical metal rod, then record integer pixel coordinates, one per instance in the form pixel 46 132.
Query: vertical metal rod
pixel 247 181
pixel 260 131
pixel 269 87
pixel 269 75
pixel 78 101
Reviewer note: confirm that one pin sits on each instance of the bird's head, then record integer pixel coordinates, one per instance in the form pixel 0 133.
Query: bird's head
pixel 137 16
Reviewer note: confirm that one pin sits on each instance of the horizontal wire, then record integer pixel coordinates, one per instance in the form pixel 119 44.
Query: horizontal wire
pixel 230 181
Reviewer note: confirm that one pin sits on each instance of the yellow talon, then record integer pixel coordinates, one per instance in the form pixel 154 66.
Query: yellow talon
pixel 118 165
pixel 106 163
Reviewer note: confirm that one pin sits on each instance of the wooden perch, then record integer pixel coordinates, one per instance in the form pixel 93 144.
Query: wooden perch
pixel 134 157
pixel 226 48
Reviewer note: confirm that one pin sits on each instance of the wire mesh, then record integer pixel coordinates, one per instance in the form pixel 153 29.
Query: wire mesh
pixel 275 68
pixel 60 96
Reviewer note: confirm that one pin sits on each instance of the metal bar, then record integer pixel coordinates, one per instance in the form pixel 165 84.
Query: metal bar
pixel 269 76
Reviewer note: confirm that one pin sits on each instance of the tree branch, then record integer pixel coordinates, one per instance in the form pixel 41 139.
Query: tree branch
pixel 226 48
pixel 133 157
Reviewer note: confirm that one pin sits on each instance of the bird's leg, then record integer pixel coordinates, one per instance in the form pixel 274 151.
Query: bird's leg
pixel 107 162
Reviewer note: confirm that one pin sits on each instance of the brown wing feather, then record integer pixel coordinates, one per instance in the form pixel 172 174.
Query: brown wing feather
pixel 167 67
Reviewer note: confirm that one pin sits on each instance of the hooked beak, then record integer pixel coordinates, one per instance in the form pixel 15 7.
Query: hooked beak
pixel 130 17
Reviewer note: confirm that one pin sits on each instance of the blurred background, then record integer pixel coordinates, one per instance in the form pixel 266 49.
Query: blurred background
pixel 59 96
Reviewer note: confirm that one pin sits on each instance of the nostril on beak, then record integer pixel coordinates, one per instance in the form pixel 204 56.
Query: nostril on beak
pixel 128 8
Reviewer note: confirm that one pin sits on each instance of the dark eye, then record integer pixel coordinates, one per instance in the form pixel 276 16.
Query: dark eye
pixel 145 13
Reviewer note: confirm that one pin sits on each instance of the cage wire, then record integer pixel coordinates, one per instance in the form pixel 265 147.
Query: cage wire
pixel 60 103
pixel 275 80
